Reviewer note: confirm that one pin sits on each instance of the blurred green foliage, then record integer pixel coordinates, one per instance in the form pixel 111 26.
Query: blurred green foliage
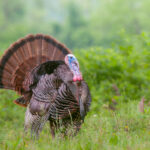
pixel 125 66
pixel 79 24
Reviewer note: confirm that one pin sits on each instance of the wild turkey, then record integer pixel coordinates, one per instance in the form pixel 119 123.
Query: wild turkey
pixel 47 76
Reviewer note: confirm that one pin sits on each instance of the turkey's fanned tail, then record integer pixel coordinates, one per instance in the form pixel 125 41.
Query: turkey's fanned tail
pixel 25 54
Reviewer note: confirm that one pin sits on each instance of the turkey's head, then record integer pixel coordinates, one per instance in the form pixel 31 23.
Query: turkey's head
pixel 73 64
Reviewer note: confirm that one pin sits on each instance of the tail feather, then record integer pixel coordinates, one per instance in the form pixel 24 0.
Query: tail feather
pixel 24 55
pixel 21 102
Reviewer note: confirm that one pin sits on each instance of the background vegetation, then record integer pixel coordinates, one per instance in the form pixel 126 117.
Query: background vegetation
pixel 112 43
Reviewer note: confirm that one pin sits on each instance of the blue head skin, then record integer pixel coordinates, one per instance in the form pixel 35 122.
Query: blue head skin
pixel 73 64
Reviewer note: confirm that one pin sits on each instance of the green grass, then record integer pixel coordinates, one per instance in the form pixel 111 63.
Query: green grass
pixel 125 128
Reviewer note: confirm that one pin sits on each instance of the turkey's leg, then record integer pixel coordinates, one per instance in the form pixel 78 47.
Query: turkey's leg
pixel 28 120
pixel 31 122
pixel 52 128
pixel 77 127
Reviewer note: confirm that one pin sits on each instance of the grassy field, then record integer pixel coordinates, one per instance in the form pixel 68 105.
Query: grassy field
pixel 124 128
pixel 120 73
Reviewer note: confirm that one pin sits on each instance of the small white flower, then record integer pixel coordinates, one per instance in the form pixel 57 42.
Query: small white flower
pixel 94 115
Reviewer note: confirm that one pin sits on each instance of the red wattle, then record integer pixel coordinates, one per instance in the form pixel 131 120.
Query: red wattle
pixel 75 79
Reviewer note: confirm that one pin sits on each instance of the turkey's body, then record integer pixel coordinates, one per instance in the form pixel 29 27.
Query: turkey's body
pixel 35 68
pixel 53 100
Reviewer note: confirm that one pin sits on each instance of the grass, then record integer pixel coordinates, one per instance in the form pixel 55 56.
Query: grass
pixel 125 128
